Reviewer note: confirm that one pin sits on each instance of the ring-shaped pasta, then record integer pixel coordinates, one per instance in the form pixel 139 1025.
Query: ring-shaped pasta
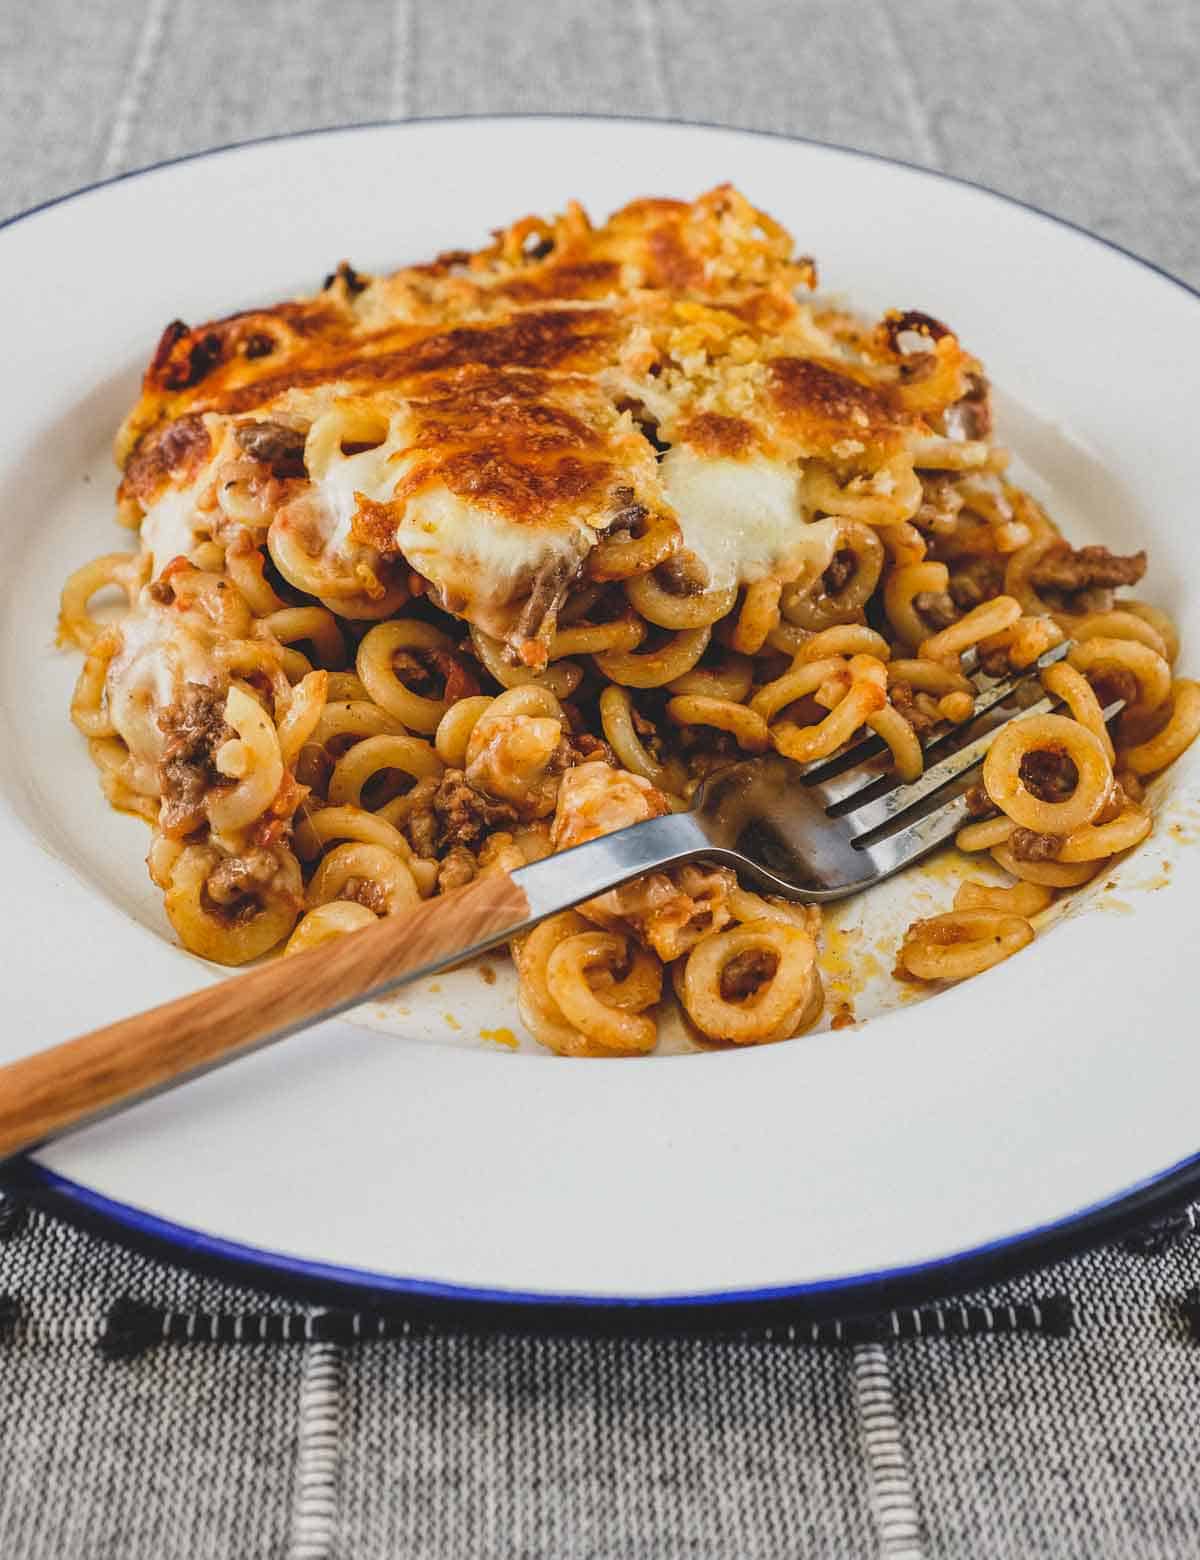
pixel 615 558
pixel 900 590
pixel 367 758
pixel 1149 669
pixel 758 615
pixel 655 668
pixel 1073 688
pixel 123 570
pixel 907 758
pixel 745 725
pixel 228 937
pixel 989 618
pixel 845 639
pixel 868 668
pixel 903 544
pixel 346 822
pixel 247 570
pixel 526 700
pixel 962 943
pixel 1024 641
pixel 787 639
pixel 585 1008
pixel 89 712
pixel 1005 786
pixel 1096 841
pixel 302 716
pixel 293 664
pixel 374 665
pixel 373 864
pixel 804 744
pixel 349 590
pixel 672 609
pixel 561 679
pixel 934 454
pixel 1021 564
pixel 209 556
pixel 350 420
pixel 345 687
pixel 316 624
pixel 333 919
pixel 885 497
pixel 809 605
pixel 252 759
pixel 1052 874
pixel 760 1016
pixel 616 720
pixel 251 658
pixel 455 728
pixel 797 683
pixel 383 600
pixel 1025 899
pixel 354 718
pixel 984 834
pixel 119 779
pixel 731 677
pixel 745 906
pixel 1117 625
pixel 928 677
pixel 539 1013
pixel 624 633
pixel 1158 620
pixel 1181 730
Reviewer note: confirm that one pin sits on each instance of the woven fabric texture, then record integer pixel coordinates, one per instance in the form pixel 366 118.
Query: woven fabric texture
pixel 1052 1417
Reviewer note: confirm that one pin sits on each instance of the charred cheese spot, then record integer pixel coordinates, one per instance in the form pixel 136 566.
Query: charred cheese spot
pixel 820 405
pixel 713 434
pixel 669 263
pixel 565 278
pixel 171 453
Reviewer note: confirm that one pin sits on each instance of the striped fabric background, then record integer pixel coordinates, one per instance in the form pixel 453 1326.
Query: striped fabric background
pixel 1054 1417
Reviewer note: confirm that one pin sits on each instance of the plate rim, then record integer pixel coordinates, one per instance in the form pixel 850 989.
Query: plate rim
pixel 485 1308
pixel 1004 1258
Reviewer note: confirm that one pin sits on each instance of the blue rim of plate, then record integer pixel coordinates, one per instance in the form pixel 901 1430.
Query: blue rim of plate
pixel 481 1307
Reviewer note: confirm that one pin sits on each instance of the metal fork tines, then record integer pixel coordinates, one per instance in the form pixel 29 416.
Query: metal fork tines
pixel 839 779
pixel 896 848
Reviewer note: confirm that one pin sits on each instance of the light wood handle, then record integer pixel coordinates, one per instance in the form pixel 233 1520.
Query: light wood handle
pixel 45 1094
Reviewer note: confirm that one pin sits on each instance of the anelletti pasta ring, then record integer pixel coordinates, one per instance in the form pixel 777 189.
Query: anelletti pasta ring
pixel 962 943
pixel 377 674
pixel 228 934
pixel 355 863
pixel 1016 742
pixel 616 1028
pixel 783 990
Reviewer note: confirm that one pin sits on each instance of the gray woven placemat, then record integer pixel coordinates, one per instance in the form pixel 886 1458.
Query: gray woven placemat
pixel 1051 1418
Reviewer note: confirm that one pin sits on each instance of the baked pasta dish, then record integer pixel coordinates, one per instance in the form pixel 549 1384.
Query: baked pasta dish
pixel 440 571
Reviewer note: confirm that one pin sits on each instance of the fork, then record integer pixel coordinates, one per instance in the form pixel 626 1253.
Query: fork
pixel 814 833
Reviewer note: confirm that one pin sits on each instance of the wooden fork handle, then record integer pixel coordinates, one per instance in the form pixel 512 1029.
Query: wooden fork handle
pixel 69 1084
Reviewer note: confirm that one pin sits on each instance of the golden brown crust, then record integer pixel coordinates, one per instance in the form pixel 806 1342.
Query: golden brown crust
pixel 174 451
pixel 710 433
pixel 822 406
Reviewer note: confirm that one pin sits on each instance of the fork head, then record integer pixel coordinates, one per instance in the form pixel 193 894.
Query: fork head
pixel 818 832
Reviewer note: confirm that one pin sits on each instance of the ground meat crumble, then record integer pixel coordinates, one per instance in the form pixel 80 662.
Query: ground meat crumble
pixel 746 972
pixel 194 727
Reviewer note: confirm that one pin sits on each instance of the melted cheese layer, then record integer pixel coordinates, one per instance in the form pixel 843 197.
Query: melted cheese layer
pixel 172 526
pixel 743 518
pixel 158 655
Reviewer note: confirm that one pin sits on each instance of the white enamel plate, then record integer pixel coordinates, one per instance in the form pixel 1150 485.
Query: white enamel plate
pixel 427 1148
